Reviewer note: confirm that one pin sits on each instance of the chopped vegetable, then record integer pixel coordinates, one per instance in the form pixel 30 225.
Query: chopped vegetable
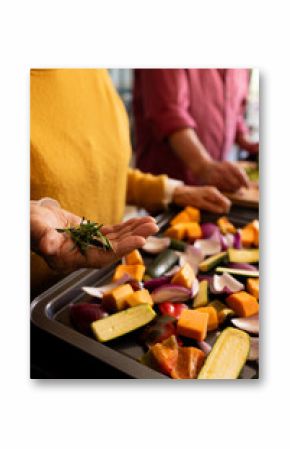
pixel 254 349
pixel 193 213
pixel 165 354
pixel 201 299
pixel 171 292
pixel 176 231
pixel 209 263
pixel 208 229
pixel 253 287
pixel 193 231
pixel 243 255
pixel 139 297
pixel 247 236
pixel 178 245
pixel 134 258
pixel 158 330
pixel 223 311
pixel 135 271
pixel 225 284
pixel 192 324
pixel 243 304
pixel 115 299
pixel 82 315
pixel 226 226
pixel 99 291
pixel 250 324
pixel 182 217
pixel 228 355
pixel 242 266
pixel 163 262
pixel 237 244
pixel 152 284
pixel 213 322
pixel 237 272
pixel 184 277
pixel 155 245
pixel 123 322
pixel 188 364
pixel 208 247
pixel 171 309
pixel 193 256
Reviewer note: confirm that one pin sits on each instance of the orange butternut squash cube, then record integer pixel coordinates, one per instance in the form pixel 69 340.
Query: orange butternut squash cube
pixel 253 287
pixel 139 297
pixel 182 217
pixel 192 324
pixel 247 236
pixel 188 364
pixel 213 319
pixel 135 271
pixel 192 231
pixel 226 226
pixel 243 304
pixel 184 277
pixel 115 299
pixel 176 231
pixel 134 258
pixel 193 213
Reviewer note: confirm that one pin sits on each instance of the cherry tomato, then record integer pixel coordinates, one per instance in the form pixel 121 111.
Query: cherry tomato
pixel 172 309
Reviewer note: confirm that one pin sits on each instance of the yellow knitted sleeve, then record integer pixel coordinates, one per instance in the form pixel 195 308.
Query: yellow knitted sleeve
pixel 146 190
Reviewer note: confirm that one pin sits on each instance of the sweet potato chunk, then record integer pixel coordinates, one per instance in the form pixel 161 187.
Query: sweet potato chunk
pixel 134 258
pixel 193 213
pixel 243 304
pixel 253 287
pixel 115 300
pixel 213 320
pixel 193 231
pixel 182 217
pixel 184 277
pixel 135 271
pixel 226 226
pixel 189 363
pixel 139 297
pixel 176 231
pixel 192 324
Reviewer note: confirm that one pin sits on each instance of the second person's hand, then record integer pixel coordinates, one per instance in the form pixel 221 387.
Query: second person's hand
pixel 208 198
pixel 226 176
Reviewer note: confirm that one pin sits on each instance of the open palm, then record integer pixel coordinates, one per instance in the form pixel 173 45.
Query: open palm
pixel 59 250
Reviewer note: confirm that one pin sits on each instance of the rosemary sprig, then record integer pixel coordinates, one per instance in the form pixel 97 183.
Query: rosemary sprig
pixel 88 233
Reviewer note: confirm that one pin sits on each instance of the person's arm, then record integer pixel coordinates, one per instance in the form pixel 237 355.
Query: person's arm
pixel 60 252
pixel 156 192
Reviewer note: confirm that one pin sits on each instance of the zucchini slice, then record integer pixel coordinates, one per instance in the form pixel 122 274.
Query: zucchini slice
pixel 243 255
pixel 201 298
pixel 162 263
pixel 228 355
pixel 234 271
pixel 212 261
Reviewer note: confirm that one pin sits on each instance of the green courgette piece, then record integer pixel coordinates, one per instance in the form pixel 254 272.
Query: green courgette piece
pixel 243 255
pixel 234 271
pixel 212 261
pixel 178 245
pixel 201 298
pixel 122 323
pixel 223 311
pixel 162 263
pixel 228 355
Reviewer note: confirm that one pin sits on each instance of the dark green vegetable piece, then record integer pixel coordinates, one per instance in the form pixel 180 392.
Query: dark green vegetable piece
pixel 87 234
pixel 162 263
pixel 178 245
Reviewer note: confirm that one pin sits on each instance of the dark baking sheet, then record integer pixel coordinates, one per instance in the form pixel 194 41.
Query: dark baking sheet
pixel 50 312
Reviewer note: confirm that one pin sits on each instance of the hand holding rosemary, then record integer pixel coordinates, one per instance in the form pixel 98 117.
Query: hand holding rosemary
pixel 87 234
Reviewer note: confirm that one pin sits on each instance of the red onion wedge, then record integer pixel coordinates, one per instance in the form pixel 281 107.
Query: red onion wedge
pixel 242 266
pixel 194 288
pixel 254 349
pixel 225 284
pixel 250 324
pixel 204 346
pixel 193 256
pixel 154 283
pixel 155 245
pixel 171 292
pixel 237 244
pixel 208 247
pixel 227 241
pixel 208 229
pixel 98 292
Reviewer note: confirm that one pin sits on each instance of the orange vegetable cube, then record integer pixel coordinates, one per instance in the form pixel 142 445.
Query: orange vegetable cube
pixel 135 271
pixel 165 354
pixel 139 297
pixel 184 277
pixel 243 304
pixel 193 231
pixel 247 236
pixel 134 258
pixel 192 324
pixel 226 226
pixel 213 319
pixel 253 287
pixel 182 217
pixel 176 231
pixel 115 299
pixel 188 364
pixel 193 213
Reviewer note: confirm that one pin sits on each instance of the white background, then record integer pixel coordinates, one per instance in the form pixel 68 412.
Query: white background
pixel 135 414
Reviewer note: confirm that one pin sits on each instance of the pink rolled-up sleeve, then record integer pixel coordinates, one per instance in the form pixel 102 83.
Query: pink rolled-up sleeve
pixel 242 127
pixel 166 101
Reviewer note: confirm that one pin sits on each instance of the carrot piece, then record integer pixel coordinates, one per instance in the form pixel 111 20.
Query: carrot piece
pixel 182 217
pixel 243 304
pixel 176 231
pixel 184 277
pixel 213 321
pixel 189 363
pixel 253 287
pixel 115 299
pixel 139 297
pixel 226 226
pixel 193 213
pixel 192 231
pixel 136 271
pixel 192 324
pixel 134 258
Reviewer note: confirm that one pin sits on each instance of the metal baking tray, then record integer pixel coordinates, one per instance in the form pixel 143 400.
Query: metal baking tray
pixel 50 312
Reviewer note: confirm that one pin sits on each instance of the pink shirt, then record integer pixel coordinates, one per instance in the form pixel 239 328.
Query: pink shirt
pixel 211 101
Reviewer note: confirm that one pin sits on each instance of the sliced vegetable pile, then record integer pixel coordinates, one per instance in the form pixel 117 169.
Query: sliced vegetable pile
pixel 195 304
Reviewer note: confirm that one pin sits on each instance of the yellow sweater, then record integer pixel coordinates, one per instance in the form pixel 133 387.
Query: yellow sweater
pixel 80 151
